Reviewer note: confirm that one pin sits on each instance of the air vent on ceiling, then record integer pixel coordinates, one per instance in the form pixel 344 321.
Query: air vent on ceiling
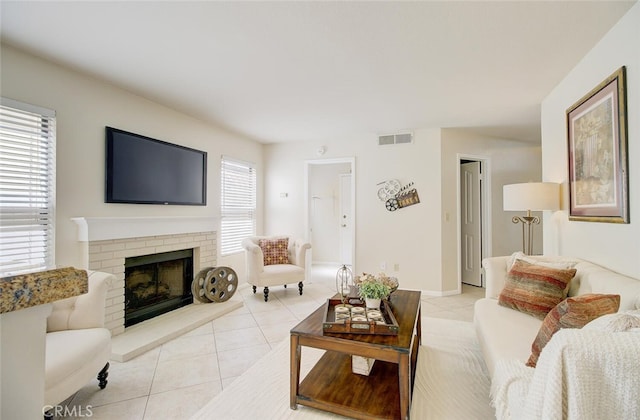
pixel 404 138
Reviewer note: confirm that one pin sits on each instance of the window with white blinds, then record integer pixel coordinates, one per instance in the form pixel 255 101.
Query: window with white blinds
pixel 238 204
pixel 27 187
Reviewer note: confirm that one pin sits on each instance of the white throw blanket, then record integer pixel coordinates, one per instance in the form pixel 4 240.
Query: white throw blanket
pixel 509 388
pixel 581 374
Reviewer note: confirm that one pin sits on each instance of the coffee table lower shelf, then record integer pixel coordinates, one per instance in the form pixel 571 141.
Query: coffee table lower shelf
pixel 332 386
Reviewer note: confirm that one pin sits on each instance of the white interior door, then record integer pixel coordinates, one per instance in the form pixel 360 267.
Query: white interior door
pixel 345 220
pixel 470 223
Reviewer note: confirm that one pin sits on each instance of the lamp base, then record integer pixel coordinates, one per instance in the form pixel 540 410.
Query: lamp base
pixel 527 234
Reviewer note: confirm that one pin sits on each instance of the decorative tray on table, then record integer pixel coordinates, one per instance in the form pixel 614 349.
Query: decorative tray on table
pixel 354 318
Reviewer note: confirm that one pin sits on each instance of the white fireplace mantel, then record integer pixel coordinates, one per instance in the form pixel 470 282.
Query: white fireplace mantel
pixel 107 228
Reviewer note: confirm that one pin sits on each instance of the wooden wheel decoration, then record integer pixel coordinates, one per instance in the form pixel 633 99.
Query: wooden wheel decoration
pixel 220 284
pixel 197 286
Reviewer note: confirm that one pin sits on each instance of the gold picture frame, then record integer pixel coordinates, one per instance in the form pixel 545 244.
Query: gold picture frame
pixel 598 161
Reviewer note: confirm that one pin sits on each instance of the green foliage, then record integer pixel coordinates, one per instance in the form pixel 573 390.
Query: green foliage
pixel 374 290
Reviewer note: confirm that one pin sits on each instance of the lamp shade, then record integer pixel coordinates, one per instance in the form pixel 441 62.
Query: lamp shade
pixel 535 196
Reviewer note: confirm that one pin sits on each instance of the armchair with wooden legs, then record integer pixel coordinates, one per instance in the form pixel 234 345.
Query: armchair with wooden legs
pixel 275 260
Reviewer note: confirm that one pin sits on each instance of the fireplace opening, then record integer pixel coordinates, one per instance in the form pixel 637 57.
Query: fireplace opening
pixel 156 284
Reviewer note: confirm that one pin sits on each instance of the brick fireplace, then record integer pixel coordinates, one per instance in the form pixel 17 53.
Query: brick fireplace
pixel 111 240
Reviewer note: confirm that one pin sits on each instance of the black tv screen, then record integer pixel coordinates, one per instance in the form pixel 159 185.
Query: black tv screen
pixel 143 170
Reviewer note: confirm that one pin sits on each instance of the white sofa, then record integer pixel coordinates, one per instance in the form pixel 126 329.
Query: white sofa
pixel 78 347
pixel 506 335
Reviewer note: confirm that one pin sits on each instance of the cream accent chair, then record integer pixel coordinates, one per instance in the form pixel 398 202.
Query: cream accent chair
pixel 78 347
pixel 259 275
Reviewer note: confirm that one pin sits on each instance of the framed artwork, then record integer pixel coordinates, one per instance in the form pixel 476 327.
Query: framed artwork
pixel 597 140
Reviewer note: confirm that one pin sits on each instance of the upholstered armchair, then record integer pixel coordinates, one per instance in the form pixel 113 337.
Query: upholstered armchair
pixel 78 347
pixel 274 261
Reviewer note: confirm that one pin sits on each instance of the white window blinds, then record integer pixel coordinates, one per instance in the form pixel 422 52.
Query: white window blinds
pixel 238 202
pixel 27 187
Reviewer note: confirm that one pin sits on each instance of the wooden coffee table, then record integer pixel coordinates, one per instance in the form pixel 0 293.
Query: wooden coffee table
pixel 331 385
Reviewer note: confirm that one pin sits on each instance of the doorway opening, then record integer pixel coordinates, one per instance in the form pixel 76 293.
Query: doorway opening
pixel 330 216
pixel 473 218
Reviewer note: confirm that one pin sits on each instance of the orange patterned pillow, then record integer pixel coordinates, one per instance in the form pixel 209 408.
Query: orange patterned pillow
pixel 535 289
pixel 574 312
pixel 275 251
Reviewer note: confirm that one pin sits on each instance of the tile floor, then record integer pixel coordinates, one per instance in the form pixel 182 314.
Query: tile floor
pixel 174 380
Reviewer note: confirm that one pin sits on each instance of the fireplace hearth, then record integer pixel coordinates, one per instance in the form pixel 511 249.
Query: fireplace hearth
pixel 156 284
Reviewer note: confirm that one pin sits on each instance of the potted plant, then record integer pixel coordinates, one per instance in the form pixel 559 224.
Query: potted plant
pixel 372 290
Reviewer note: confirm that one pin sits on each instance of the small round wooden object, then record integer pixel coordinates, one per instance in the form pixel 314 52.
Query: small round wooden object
pixel 220 284
pixel 197 286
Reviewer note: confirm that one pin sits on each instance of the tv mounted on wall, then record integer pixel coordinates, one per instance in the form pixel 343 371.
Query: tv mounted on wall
pixel 143 170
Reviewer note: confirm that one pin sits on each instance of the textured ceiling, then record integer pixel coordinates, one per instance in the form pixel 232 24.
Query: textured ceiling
pixel 305 71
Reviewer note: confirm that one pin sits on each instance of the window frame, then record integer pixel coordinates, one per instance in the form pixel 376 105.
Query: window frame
pixel 27 187
pixel 238 203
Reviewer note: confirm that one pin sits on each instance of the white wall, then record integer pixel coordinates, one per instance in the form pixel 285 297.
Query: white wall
pixel 408 237
pixel 418 238
pixel 84 106
pixel 612 245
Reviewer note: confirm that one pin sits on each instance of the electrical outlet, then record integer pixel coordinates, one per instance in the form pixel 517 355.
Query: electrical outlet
pixel 383 265
pixel 396 267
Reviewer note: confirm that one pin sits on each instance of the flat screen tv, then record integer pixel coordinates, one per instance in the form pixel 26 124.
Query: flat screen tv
pixel 143 170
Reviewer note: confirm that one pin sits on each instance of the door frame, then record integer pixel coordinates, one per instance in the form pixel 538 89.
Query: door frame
pixel 342 181
pixel 485 210
pixel 307 199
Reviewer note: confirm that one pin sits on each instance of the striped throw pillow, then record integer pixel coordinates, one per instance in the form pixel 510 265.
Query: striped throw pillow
pixel 573 312
pixel 535 289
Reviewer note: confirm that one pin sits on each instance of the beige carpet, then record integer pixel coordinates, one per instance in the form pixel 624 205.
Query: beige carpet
pixel 451 381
